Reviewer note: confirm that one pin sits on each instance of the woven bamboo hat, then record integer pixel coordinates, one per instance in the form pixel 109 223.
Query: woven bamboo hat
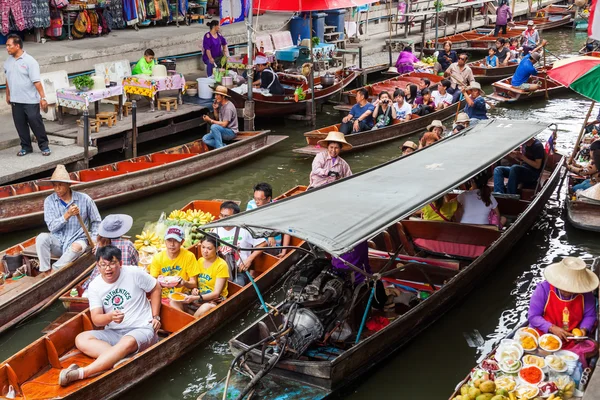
pixel 435 123
pixel 410 144
pixel 462 117
pixel 337 137
pixel 60 174
pixel 222 90
pixel 571 275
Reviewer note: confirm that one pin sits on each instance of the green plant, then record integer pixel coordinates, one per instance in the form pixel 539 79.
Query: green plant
pixel 315 41
pixel 83 81
pixel 438 4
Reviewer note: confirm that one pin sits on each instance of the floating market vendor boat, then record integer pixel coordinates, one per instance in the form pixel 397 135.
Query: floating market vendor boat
pixel 318 336
pixel 21 204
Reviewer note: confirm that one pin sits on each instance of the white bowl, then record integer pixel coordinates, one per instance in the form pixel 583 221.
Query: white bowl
pixel 532 387
pixel 547 359
pixel 541 341
pixel 168 281
pixel 532 367
pixel 568 356
pixel 523 334
pixel 192 92
pixel 171 295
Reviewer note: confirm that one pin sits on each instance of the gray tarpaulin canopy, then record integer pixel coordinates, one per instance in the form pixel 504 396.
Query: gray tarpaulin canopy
pixel 338 216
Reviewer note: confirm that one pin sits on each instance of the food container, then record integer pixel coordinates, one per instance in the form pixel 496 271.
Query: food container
pixel 510 366
pixel 205 87
pixel 177 296
pixel 506 350
pixel 531 374
pixel 506 382
pixel 227 81
pixel 530 359
pixel 527 340
pixel 556 363
pixel 550 343
pixel 525 391
pixel 570 358
pixel 547 389
pixel 192 92
pixel 168 281
pixel 328 80
pixel 530 330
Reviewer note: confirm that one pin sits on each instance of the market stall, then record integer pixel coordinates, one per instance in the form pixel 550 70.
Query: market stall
pixel 81 100
pixel 151 86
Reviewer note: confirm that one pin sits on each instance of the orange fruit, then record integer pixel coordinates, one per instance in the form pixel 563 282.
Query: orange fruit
pixel 577 332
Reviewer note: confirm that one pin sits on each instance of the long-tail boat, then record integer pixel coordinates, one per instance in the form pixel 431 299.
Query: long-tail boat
pixel 285 104
pixel 489 366
pixel 22 295
pixel 474 41
pixel 582 214
pixel 505 92
pixel 483 74
pixel 21 204
pixel 298 343
pixel 554 9
pixel 546 23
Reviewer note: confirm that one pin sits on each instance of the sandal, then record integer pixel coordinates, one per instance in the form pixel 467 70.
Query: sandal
pixel 22 153
pixel 46 152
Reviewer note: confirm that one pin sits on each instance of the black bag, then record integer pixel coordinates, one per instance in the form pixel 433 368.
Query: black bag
pixel 235 276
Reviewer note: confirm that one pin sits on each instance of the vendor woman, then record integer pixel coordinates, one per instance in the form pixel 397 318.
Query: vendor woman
pixel 328 166
pixel 267 78
pixel 144 65
pixel 214 47
pixel 565 301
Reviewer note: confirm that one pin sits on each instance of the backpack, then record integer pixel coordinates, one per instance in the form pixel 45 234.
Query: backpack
pixel 55 29
pixel 80 26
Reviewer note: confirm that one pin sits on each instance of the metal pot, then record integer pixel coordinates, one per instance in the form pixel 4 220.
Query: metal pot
pixel 327 80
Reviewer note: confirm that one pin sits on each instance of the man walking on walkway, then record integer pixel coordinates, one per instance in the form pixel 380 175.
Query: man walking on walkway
pixel 25 93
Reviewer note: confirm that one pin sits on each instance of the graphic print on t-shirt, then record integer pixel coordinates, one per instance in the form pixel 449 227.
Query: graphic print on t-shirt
pixel 116 298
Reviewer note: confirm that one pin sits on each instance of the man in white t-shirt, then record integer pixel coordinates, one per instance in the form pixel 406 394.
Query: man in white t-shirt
pixel 244 239
pixel 442 98
pixel 118 303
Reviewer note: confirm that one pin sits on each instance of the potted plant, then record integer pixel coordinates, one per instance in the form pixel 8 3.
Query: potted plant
pixel 315 41
pixel 438 4
pixel 83 83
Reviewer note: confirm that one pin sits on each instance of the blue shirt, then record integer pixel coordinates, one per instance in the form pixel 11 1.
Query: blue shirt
pixel 492 61
pixel 68 231
pixel 357 111
pixel 21 74
pixel 478 110
pixel 523 72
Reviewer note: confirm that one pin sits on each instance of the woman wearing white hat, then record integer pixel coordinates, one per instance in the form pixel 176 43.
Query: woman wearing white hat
pixel 564 304
pixel 268 78
pixel 328 166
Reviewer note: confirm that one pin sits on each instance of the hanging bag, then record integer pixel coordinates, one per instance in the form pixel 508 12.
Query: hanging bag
pixel 235 275
pixel 59 3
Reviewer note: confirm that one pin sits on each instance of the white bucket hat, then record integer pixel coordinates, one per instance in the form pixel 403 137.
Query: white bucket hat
pixel 114 226
pixel 571 275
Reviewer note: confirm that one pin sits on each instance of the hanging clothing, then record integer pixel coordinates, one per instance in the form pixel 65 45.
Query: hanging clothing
pixel 114 15
pixel 41 13
pixel 130 12
pixel 20 10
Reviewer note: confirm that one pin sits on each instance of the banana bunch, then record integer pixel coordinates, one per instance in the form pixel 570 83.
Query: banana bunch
pixel 176 215
pixel 147 239
pixel 568 391
pixel 196 217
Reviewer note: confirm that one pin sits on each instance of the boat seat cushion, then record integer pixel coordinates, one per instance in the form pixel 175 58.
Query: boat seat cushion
pixel 469 251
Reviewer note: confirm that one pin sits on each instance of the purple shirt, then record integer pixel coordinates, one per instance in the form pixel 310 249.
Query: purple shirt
pixel 538 303
pixel 359 257
pixel 405 62
pixel 503 15
pixel 215 45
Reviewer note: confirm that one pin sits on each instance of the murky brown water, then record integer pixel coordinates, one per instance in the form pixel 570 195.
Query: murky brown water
pixel 431 365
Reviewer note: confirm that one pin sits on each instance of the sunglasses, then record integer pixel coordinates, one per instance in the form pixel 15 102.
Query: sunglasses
pixel 463 58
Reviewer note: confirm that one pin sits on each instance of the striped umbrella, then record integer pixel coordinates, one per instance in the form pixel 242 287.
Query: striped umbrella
pixel 580 74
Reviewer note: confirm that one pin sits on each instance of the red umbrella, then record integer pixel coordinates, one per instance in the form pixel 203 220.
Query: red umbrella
pixel 306 5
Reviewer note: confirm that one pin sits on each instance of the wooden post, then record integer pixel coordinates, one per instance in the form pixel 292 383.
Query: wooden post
pixel 134 130
pixel 512 10
pixel 390 52
pixel 86 138
pixel 249 104
pixel 472 16
pixel 313 119
pixel 424 29
pixel 578 142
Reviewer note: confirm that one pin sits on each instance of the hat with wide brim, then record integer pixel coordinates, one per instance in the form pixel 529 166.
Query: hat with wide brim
pixel 222 90
pixel 463 117
pixel 436 123
pixel 571 275
pixel 60 174
pixel 410 144
pixel 475 85
pixel 260 60
pixel 392 70
pixel 337 137
pixel 592 193
pixel 535 56
pixel 530 23
pixel 114 226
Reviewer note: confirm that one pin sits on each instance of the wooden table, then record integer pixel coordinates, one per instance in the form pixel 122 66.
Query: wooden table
pixel 79 100
pixel 151 86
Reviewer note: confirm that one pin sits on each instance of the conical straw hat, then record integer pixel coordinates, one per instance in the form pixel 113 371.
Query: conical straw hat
pixel 61 175
pixel 337 137
pixel 571 275
pixel 592 193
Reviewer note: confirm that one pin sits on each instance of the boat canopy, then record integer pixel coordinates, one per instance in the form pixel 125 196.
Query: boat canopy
pixel 345 213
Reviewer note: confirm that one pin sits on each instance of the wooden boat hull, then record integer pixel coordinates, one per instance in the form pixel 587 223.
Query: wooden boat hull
pixel 488 75
pixel 547 23
pixel 269 106
pixel 19 299
pixel 581 214
pixel 504 92
pixel 360 141
pixel 347 367
pixel 26 210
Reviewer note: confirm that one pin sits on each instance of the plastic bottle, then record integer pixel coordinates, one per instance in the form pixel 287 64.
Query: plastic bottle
pixel 577 373
pixel 106 78
pixel 74 292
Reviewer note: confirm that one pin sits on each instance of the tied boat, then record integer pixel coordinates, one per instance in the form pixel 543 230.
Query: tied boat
pixel 21 204
pixel 281 105
pixel 316 337
pixel 552 21
pixel 474 41
pixel 505 92
pixel 483 74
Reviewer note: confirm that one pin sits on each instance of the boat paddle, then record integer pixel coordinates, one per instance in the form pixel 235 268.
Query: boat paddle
pixel 581 132
pixel 546 76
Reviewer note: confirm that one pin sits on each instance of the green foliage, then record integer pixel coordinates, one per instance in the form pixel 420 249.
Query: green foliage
pixel 315 41
pixel 83 81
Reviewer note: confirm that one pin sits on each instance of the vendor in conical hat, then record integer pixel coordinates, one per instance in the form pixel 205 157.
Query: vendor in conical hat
pixel 564 305
pixel 66 238
pixel 328 166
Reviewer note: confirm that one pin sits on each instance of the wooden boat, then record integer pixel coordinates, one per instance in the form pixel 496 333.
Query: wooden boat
pixel 331 365
pixel 21 297
pixel 490 356
pixel 281 105
pixel 556 10
pixel 583 215
pixel 504 92
pixel 473 41
pixel 484 74
pixel 21 204
pixel 546 23
pixel 33 372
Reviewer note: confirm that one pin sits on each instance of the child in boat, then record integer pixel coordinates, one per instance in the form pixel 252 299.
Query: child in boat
pixel 491 61
pixel 424 104
pixel 402 108
pixel 213 274
pixel 513 47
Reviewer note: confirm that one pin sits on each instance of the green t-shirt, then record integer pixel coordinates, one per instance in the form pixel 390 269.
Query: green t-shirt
pixel 143 67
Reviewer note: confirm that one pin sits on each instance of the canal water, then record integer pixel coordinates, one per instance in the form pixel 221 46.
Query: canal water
pixel 433 363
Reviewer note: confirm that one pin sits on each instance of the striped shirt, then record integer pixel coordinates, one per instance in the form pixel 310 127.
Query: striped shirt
pixel 70 231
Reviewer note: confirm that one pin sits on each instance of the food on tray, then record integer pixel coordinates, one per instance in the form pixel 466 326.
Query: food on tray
pixel 550 342
pixel 489 365
pixel 531 374
pixel 530 330
pixel 568 356
pixel 534 360
pixel 508 352
pixel 556 363
pixel 506 382
pixel 577 332
pixel 177 296
pixel 547 389
pixel 528 342
pixel 566 386
pixel 527 391
pixel 510 366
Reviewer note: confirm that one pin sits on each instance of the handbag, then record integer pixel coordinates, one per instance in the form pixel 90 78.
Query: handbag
pixel 494 219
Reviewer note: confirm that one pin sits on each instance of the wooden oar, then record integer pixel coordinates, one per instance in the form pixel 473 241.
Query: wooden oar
pixel 85 230
pixel 581 132
pixel 545 77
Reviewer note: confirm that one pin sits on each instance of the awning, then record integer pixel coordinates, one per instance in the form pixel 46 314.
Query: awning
pixel 339 216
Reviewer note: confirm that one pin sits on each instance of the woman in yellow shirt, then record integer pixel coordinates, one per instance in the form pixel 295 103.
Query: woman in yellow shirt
pixel 440 210
pixel 212 274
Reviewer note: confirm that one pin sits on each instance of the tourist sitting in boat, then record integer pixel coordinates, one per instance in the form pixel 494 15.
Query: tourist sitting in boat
pixel 328 166
pixel 406 60
pixel 424 104
pixel 513 50
pixel 175 261
pixel 411 93
pixel 225 127
pixel 445 58
pixel 591 170
pixel 478 206
pixel 384 112
pixel 359 257
pixel 441 97
pixel 428 139
pixel 214 47
pixel 268 78
pixel 144 64
pixel 436 126
pixel 564 305
pixel 460 74
pixel 212 278
pixel 527 172
pixel 360 118
pixel 408 147
pixel 263 195
pixel 440 210
pixel 503 17
pixel 476 107
pixel 119 304
pixel 424 83
pixel 491 61
pixel 238 262
pixel 66 239
pixel 110 232
pixel 526 69
pixel 502 51
pixel 402 108
pixel 463 121
pixel 530 37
